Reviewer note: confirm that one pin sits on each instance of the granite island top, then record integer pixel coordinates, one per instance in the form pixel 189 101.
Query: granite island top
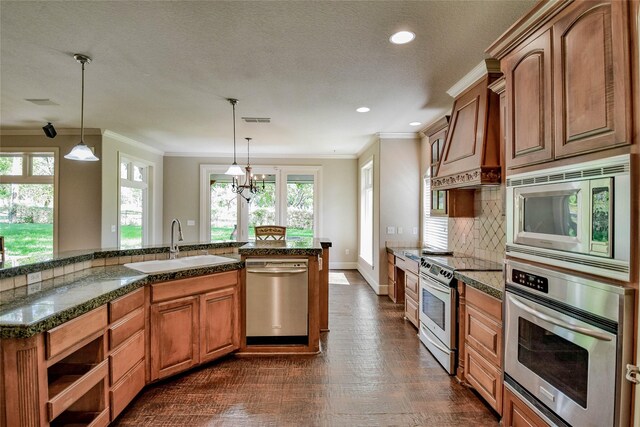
pixel 489 282
pixel 300 247
pixel 68 296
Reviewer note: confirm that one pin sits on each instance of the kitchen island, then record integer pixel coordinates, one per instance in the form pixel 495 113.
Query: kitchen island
pixel 78 345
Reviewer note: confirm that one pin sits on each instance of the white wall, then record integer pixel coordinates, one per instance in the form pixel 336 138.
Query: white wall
pixel 396 170
pixel 112 144
pixel 339 199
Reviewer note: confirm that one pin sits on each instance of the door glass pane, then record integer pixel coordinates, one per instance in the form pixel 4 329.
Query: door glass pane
pixel 262 209
pixel 299 206
pixel 442 200
pixel 131 207
pixel 224 208
pixel 434 308
pixel 138 173
pixel 555 214
pixel 26 219
pixel 11 165
pixel 561 363
pixel 42 165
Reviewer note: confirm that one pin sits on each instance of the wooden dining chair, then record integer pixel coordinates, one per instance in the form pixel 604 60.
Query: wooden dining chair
pixel 274 232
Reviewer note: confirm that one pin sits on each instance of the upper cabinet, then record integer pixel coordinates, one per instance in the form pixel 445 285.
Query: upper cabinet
pixel 567 70
pixel 471 154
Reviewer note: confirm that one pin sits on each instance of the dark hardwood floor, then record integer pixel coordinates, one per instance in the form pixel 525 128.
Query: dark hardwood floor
pixel 373 371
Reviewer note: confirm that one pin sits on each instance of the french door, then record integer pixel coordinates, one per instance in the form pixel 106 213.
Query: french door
pixel 287 196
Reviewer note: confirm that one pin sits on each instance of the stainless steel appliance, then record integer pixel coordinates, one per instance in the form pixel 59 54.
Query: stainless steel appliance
pixel 567 342
pixel 277 301
pixel 439 306
pixel 573 216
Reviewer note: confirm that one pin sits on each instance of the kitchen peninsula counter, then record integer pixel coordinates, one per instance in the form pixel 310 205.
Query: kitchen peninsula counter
pixel 489 282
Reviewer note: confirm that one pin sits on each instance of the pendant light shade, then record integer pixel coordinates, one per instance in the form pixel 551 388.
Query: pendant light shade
pixel 234 169
pixel 81 152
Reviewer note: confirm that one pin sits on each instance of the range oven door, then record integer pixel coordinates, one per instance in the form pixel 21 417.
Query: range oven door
pixel 567 364
pixel 438 321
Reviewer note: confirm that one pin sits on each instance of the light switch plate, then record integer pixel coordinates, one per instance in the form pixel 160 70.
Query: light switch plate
pixel 400 230
pixel 191 222
pixel 391 230
pixel 415 230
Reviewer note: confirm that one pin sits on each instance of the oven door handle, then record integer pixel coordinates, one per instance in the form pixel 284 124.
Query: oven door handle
pixel 558 322
pixel 437 288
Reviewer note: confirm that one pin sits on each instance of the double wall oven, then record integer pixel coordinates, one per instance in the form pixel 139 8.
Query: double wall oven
pixel 439 304
pixel 567 341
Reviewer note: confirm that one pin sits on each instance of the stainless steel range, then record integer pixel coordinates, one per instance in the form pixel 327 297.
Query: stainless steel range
pixel 439 304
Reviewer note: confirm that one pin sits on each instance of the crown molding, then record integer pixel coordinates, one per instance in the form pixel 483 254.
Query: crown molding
pixel 134 143
pixel 38 131
pixel 398 135
pixel 435 127
pixel 258 156
pixel 499 85
pixel 485 67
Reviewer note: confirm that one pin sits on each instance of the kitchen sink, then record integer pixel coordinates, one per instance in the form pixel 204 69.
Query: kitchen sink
pixel 186 263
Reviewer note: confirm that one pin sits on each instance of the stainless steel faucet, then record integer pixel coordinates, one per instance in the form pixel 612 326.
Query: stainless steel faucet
pixel 173 248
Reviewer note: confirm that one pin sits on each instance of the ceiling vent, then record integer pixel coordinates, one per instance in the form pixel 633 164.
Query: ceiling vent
pixel 256 119
pixel 41 101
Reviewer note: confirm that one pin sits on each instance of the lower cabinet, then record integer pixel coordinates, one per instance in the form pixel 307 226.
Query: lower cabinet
pixel 193 329
pixel 517 414
pixel 411 298
pixel 483 345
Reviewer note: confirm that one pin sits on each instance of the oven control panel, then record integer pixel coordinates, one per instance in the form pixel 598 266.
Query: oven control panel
pixel 442 275
pixel 533 281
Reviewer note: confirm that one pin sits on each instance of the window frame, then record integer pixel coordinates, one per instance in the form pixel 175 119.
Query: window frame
pixel 26 177
pixel 367 184
pixel 145 185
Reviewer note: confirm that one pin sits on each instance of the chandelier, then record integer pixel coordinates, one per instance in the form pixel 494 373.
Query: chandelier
pixel 250 182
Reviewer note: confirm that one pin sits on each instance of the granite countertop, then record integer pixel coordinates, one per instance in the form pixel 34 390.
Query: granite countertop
pixel 411 253
pixel 68 296
pixel 299 247
pixel 489 282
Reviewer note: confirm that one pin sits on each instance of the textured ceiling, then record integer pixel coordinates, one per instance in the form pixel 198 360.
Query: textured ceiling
pixel 161 71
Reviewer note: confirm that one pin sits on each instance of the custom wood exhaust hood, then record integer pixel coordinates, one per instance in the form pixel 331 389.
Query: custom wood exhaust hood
pixel 471 155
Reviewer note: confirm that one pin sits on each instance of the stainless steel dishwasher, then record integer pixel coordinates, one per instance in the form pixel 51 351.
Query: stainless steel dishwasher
pixel 277 295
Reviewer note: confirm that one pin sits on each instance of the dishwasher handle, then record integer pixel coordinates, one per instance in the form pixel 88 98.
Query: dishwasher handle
pixel 276 270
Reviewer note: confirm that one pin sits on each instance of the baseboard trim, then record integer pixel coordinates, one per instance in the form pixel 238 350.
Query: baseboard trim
pixel 343 266
pixel 366 273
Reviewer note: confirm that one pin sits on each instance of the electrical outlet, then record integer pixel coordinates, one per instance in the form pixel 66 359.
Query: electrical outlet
pixel 415 230
pixel 113 228
pixel 391 230
pixel 34 277
pixel 191 222
pixel 400 230
pixel 347 251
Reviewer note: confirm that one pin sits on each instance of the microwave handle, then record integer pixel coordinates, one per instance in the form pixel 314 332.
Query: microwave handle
pixel 558 322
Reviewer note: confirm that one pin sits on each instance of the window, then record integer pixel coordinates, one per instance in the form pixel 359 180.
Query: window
pixel 28 181
pixel 290 197
pixel 435 228
pixel 366 212
pixel 133 228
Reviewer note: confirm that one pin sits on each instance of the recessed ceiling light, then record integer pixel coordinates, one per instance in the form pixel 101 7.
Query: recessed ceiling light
pixel 402 37
pixel 363 109
pixel 415 123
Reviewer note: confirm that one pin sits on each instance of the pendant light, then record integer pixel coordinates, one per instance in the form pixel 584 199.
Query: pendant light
pixel 250 182
pixel 234 169
pixel 81 151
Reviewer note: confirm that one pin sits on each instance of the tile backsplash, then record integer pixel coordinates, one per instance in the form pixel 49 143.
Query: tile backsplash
pixel 483 236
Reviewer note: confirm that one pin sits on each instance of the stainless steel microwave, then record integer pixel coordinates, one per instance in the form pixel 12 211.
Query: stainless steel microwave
pixel 576 217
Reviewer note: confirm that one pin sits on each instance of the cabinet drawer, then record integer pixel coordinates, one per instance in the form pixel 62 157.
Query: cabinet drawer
pixel 74 331
pixel 126 327
pixel 483 334
pixel 411 310
pixel 197 285
pixel 407 265
pixel 489 305
pixel 123 393
pixel 411 285
pixel 127 355
pixel 518 414
pixel 484 377
pixel 68 389
pixel 118 308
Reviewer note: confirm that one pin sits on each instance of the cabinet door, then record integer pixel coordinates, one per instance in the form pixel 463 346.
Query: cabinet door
pixel 484 377
pixel 518 414
pixel 529 103
pixel 174 336
pixel 591 77
pixel 411 310
pixel 219 323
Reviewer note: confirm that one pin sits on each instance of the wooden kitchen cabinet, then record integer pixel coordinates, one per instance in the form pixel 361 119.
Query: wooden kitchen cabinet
pixel 517 414
pixel 219 324
pixel 568 82
pixel 411 298
pixel 193 321
pixel 391 277
pixel 483 345
pixel 529 103
pixel 174 336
